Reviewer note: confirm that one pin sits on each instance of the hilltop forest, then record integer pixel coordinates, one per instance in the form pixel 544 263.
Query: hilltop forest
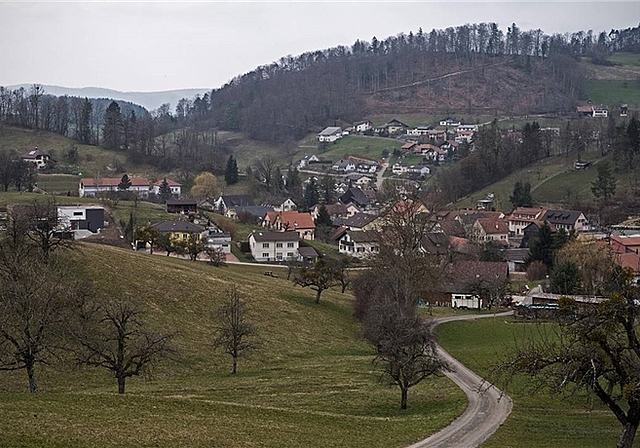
pixel 474 69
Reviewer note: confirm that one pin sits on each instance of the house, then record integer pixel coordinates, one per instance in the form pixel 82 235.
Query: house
pixel 174 187
pixel 279 204
pixel 419 131
pixel 435 243
pixel 516 259
pixel 395 127
pixel 408 146
pixel 467 127
pixel 437 135
pixel 581 165
pixel 81 217
pixel 308 254
pixel 181 206
pixel 291 221
pixel 470 284
pixel 307 159
pixel 247 213
pixel 367 167
pixel 356 196
pixel 359 244
pixel 179 230
pixel 274 246
pixel 464 136
pixel 362 126
pixel 553 131
pixel 92 187
pixel 330 134
pixel 624 109
pixel 360 180
pixel 214 238
pixel 361 221
pixel 567 219
pixel 399 168
pixel 334 210
pixel 37 157
pixel 344 165
pixel 223 203
pixel 593 111
pixel 625 244
pixel 490 229
pixel 449 121
pixel 521 217
pixel 433 153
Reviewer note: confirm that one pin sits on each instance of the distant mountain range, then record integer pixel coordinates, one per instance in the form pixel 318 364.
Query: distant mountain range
pixel 148 100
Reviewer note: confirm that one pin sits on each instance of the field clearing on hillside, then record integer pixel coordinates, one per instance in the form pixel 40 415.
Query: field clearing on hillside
pixel 309 384
pixel 537 421
pixel 58 183
pixel 569 187
pixel 12 197
pixel 360 145
pixel 557 169
pixel 632 59
pixel 614 93
pixel 93 160
pixel 247 151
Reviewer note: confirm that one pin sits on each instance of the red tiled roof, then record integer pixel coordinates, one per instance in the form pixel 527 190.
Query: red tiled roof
pixel 297 220
pixel 629 260
pixel 493 226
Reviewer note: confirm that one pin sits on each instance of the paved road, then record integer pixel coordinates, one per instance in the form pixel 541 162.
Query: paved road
pixel 488 407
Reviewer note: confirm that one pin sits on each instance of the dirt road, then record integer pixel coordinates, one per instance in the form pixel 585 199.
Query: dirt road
pixel 488 407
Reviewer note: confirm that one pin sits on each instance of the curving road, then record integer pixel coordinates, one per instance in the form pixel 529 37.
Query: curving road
pixel 488 407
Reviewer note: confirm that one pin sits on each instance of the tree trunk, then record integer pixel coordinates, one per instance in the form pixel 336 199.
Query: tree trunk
pixel 403 400
pixel 318 292
pixel 121 384
pixel 628 434
pixel 234 369
pixel 31 373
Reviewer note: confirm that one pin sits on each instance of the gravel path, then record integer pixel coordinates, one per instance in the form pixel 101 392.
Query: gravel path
pixel 488 407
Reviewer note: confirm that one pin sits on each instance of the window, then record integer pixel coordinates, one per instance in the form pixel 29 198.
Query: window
pixel 289 244
pixel 279 245
pixel 77 213
pixel 279 256
pixel 265 255
pixel 265 245
pixel 290 254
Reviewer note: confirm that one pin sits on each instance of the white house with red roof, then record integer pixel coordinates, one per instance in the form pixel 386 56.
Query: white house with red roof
pixel 175 187
pixel 91 187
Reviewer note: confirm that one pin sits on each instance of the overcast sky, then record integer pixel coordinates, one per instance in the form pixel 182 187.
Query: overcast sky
pixel 153 46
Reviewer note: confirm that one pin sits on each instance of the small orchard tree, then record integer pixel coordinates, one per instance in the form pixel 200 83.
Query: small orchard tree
pixel 405 345
pixel 148 235
pixel 320 277
pixel 235 334
pixel 114 336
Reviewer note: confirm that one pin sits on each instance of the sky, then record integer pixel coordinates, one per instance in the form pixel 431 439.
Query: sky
pixel 158 46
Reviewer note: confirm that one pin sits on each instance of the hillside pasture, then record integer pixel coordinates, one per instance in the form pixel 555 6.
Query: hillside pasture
pixel 537 420
pixel 310 383
pixel 360 146
pixel 614 93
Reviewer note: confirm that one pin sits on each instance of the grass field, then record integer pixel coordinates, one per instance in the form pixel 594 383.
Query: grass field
pixel 552 182
pixel 309 384
pixel 360 145
pixel 614 93
pixel 537 421
pixel 58 183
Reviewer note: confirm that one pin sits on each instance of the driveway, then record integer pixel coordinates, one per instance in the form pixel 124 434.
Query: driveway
pixel 488 407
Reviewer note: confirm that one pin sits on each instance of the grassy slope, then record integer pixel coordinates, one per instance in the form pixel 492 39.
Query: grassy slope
pixel 537 421
pixel 310 384
pixel 552 180
pixel 617 84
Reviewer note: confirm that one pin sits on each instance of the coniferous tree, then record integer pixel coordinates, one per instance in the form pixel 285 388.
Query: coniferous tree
pixel 125 183
pixel 605 185
pixel 231 171
pixel 164 191
pixel 113 131
pixel 311 195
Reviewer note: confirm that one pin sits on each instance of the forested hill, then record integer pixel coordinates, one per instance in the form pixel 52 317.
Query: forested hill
pixel 471 68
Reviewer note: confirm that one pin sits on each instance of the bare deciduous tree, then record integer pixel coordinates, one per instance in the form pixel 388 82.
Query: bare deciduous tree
pixel 235 334
pixel 114 336
pixel 36 301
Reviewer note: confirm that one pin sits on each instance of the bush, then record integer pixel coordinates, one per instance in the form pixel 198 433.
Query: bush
pixel 537 270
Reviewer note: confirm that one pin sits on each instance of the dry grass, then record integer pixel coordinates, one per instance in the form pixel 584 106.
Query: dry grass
pixel 310 384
